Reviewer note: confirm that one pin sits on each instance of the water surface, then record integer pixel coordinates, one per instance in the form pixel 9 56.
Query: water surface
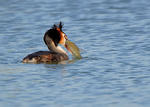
pixel 114 38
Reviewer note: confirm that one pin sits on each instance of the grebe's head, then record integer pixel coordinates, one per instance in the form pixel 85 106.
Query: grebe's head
pixel 56 35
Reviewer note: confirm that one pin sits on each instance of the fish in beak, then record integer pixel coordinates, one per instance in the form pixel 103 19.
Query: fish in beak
pixel 73 49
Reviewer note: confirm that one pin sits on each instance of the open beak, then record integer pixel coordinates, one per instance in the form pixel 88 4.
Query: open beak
pixel 64 41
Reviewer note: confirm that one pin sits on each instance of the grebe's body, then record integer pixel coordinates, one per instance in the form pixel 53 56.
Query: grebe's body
pixel 52 38
pixel 45 57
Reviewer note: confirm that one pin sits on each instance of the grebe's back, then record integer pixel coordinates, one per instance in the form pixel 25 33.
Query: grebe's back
pixel 45 57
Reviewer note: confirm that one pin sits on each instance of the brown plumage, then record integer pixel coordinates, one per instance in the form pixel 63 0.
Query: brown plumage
pixel 45 57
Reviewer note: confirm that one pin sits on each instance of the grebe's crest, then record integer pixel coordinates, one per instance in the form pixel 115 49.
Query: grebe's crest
pixel 55 33
pixel 58 27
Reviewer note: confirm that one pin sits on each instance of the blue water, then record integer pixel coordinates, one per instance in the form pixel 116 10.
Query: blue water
pixel 114 38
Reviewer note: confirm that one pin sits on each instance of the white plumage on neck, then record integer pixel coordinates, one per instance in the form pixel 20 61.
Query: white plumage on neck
pixel 61 50
pixel 52 47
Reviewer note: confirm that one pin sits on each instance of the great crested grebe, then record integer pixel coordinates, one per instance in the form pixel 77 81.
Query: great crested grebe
pixel 52 38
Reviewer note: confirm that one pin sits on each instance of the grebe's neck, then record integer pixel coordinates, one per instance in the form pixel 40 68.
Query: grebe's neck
pixel 51 46
pixel 61 50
